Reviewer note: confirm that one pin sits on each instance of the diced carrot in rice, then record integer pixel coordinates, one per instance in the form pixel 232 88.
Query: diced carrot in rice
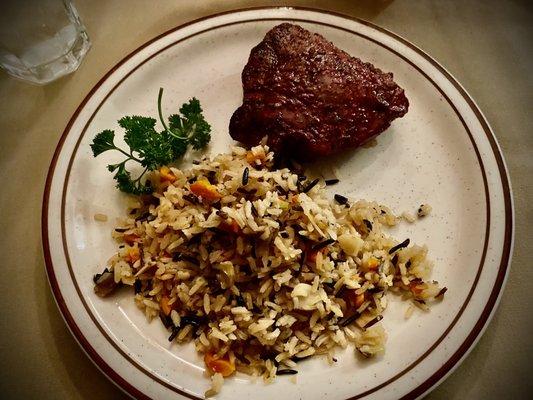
pixel 417 287
pixel 165 306
pixel 372 264
pixel 202 188
pixel 130 238
pixel 133 254
pixel 222 366
pixel 166 175
pixel 255 159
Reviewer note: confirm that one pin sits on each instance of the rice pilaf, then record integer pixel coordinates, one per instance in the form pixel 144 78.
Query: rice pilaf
pixel 260 268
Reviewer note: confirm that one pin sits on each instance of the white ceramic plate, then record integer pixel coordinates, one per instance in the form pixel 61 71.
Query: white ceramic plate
pixel 442 153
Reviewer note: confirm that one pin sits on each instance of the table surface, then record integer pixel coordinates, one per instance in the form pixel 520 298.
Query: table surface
pixel 486 45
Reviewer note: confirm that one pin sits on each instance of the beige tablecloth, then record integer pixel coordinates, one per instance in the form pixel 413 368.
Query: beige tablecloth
pixel 487 45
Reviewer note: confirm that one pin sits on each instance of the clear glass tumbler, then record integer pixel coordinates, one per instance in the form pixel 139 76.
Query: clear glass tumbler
pixel 41 40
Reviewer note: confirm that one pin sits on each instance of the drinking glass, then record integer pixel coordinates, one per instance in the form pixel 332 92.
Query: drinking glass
pixel 41 40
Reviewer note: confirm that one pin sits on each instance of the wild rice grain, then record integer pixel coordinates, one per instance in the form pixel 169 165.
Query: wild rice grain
pixel 96 277
pixel 310 186
pixel 145 217
pixel 373 322
pixel 348 320
pixel 399 246
pixel 167 322
pixel 190 259
pixel 441 293
pixel 286 372
pixel 191 320
pixel 174 333
pixel 245 176
pixel 323 244
pixel 190 198
pixel 137 286
pixel 341 199
pixel 254 211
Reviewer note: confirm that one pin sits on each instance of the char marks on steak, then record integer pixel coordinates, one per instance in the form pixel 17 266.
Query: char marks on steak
pixel 310 98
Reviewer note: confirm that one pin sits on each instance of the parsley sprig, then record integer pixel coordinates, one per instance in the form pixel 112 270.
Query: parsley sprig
pixel 151 148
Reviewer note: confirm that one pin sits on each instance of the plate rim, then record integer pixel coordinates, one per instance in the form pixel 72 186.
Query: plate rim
pixel 508 240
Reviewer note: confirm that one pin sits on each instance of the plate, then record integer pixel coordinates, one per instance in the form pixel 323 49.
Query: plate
pixel 442 153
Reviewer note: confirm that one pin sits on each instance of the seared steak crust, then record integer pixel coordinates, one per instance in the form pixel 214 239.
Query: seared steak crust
pixel 310 98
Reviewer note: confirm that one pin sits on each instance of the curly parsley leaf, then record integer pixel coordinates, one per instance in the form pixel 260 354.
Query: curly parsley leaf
pixel 200 130
pixel 191 125
pixel 103 142
pixel 174 123
pixel 126 184
pixel 151 148
pixel 179 146
pixel 137 129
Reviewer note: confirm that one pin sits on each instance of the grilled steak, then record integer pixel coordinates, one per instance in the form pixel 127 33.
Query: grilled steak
pixel 311 98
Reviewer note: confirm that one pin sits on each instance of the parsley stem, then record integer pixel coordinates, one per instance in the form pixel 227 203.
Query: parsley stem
pixel 178 136
pixel 159 97
pixel 140 176
pixel 130 156
pixel 159 109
